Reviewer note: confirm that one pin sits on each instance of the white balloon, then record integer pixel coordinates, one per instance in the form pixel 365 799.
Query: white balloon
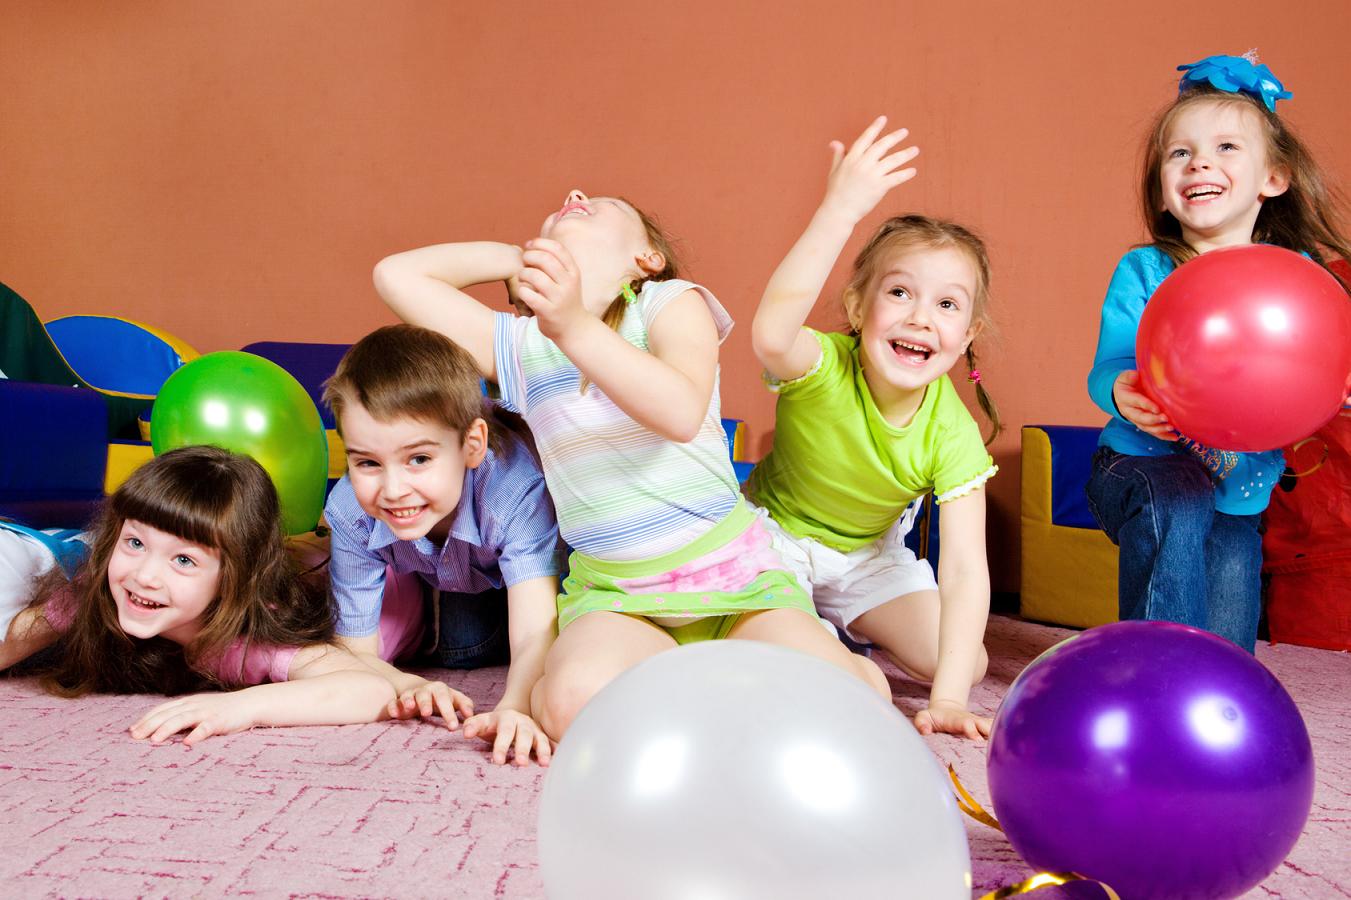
pixel 734 769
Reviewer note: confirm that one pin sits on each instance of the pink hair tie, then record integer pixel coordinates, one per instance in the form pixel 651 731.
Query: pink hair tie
pixel 974 377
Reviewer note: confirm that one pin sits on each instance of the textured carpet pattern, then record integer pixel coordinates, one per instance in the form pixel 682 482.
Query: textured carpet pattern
pixel 411 810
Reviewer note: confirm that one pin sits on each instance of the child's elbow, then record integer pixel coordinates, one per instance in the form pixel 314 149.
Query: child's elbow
pixel 388 274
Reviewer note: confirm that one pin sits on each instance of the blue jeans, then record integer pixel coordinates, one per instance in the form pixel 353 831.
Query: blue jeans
pixel 1181 559
pixel 470 629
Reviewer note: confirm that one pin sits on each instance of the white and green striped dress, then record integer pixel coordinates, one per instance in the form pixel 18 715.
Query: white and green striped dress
pixel 622 491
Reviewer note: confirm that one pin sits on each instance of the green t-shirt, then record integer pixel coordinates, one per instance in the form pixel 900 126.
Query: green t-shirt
pixel 841 474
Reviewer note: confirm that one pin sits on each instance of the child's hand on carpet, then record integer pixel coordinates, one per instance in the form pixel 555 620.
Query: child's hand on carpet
pixel 432 698
pixel 508 728
pixel 947 717
pixel 205 714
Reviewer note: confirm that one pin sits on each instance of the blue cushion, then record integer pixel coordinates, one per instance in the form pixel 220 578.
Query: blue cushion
pixel 310 364
pixel 56 454
pixel 1072 449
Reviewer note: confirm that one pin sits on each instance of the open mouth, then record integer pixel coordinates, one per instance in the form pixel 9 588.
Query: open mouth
pixel 913 353
pixel 405 513
pixel 1202 192
pixel 573 208
pixel 142 603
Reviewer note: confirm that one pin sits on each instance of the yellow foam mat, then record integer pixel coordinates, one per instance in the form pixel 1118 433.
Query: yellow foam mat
pixel 1069 575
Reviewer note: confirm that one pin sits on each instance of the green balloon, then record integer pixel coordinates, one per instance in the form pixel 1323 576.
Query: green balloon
pixel 242 402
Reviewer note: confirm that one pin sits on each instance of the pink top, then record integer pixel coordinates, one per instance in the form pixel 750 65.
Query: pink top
pixel 401 627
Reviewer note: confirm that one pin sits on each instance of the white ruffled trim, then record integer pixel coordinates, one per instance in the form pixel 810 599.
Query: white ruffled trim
pixel 962 490
pixel 775 385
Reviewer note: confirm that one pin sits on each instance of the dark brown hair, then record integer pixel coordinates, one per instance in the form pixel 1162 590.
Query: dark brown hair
pixel 208 496
pixel 902 233
pixel 1304 218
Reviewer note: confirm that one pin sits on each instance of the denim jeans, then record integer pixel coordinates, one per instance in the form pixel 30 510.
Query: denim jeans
pixel 1181 559
pixel 470 629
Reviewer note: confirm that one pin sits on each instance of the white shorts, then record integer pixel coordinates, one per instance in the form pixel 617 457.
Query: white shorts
pixel 844 586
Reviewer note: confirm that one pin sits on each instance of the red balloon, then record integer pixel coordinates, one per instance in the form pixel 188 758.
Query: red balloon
pixel 1247 348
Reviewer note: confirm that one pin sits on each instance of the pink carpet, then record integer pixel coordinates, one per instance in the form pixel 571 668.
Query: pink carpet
pixel 410 810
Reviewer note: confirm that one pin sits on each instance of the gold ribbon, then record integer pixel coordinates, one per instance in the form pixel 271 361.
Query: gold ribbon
pixel 967 804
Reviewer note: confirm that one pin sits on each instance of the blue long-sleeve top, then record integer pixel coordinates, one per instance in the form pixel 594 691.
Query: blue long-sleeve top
pixel 1243 481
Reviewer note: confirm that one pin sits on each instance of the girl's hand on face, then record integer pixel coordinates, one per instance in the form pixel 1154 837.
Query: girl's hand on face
pixel 432 698
pixel 861 177
pixel 551 286
pixel 204 714
pixel 946 717
pixel 1136 407
pixel 508 729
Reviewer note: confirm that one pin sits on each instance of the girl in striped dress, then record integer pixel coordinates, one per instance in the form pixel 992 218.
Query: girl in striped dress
pixel 615 369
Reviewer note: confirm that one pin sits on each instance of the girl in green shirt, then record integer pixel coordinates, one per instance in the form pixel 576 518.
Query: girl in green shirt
pixel 868 421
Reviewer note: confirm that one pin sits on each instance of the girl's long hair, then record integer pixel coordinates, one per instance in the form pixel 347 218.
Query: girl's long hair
pixel 902 233
pixel 1304 218
pixel 214 498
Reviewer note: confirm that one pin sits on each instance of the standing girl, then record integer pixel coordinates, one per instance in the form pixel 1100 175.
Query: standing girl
pixel 1221 169
pixel 868 421
pixel 188 585
pixel 616 373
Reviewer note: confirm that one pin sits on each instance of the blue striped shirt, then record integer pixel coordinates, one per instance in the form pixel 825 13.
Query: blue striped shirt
pixel 503 532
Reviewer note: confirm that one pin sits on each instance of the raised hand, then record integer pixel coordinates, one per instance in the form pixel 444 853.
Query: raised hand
pixel 860 177
pixel 1136 407
pixel 508 729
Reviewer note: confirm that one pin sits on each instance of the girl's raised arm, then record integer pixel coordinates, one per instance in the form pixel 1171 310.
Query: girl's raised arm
pixel 326 685
pixel 425 287
pixel 858 181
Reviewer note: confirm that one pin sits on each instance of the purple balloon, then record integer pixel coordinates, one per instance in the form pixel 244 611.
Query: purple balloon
pixel 1157 758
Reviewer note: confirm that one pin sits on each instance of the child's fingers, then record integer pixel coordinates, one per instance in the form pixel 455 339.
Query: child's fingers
pixel 200 733
pixel 869 135
pixel 901 177
pixel 462 703
pixel 836 154
pixel 896 160
pixel 445 707
pixel 532 298
pixel 536 280
pixel 502 743
pixel 544 748
pixel 151 721
pixel 554 249
pixel 887 141
pixel 984 725
pixel 544 262
pixel 525 740
pixel 173 726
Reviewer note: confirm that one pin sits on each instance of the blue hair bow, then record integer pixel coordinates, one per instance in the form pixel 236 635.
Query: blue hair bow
pixel 1235 74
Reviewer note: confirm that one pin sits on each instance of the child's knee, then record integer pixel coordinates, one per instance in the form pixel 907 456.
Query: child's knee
pixel 871 673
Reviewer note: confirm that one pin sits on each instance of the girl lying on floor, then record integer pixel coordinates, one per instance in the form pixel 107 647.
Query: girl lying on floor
pixel 187 586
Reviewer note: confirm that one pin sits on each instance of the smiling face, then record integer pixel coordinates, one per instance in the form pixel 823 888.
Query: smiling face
pixel 1215 173
pixel 161 583
pixel 407 472
pixel 914 321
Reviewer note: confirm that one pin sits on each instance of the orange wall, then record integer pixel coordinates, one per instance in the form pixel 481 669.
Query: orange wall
pixel 231 171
